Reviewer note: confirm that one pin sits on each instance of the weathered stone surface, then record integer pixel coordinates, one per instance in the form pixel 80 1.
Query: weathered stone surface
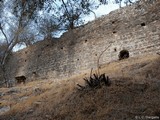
pixel 4 109
pixel 13 90
pixel 2 94
pixel 135 28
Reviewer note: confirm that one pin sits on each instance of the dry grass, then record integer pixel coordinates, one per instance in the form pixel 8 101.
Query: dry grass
pixel 134 91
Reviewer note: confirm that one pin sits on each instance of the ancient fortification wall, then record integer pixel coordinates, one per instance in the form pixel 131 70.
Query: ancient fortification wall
pixel 135 28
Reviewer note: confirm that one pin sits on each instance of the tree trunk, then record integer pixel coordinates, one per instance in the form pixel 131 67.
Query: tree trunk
pixel 5 81
pixel 3 63
pixel 71 25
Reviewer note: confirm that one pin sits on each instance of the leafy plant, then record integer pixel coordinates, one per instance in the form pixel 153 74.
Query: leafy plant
pixel 95 81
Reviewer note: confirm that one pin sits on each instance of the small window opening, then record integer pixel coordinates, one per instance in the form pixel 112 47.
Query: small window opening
pixel 34 73
pixel 143 24
pixel 113 22
pixel 115 49
pixel 114 32
pixel 61 48
pixel 25 60
pixel 77 59
pixel 123 54
pixel 85 41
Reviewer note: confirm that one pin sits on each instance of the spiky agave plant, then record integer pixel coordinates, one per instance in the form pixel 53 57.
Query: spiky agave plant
pixel 95 81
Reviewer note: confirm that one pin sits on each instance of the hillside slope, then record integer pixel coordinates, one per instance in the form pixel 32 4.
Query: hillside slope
pixel 134 94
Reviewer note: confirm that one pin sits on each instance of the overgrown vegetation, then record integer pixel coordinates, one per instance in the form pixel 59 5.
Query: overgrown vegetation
pixel 127 96
pixel 95 81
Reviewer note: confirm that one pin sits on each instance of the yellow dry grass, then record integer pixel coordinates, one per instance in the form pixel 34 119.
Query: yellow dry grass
pixel 134 91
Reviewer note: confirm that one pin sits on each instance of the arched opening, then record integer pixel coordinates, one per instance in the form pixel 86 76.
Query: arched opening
pixel 123 54
pixel 20 79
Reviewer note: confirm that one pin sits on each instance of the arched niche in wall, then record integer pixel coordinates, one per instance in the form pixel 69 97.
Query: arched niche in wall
pixel 123 54
pixel 20 79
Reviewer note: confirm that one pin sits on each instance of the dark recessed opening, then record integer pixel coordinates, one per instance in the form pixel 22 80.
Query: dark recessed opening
pixel 143 24
pixel 20 79
pixel 34 73
pixel 115 49
pixel 38 55
pixel 114 32
pixel 95 54
pixel 113 22
pixel 47 45
pixel 77 59
pixel 25 60
pixel 123 54
pixel 61 48
pixel 85 41
pixel 26 52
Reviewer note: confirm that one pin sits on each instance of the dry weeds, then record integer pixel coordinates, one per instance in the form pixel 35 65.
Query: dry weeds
pixel 135 91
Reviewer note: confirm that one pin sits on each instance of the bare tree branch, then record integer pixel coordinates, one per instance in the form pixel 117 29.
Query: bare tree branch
pixel 98 66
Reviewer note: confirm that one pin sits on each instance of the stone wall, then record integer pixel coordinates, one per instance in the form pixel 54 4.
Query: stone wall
pixel 135 28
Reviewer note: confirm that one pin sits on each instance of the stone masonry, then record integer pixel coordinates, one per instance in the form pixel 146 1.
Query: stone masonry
pixel 134 28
